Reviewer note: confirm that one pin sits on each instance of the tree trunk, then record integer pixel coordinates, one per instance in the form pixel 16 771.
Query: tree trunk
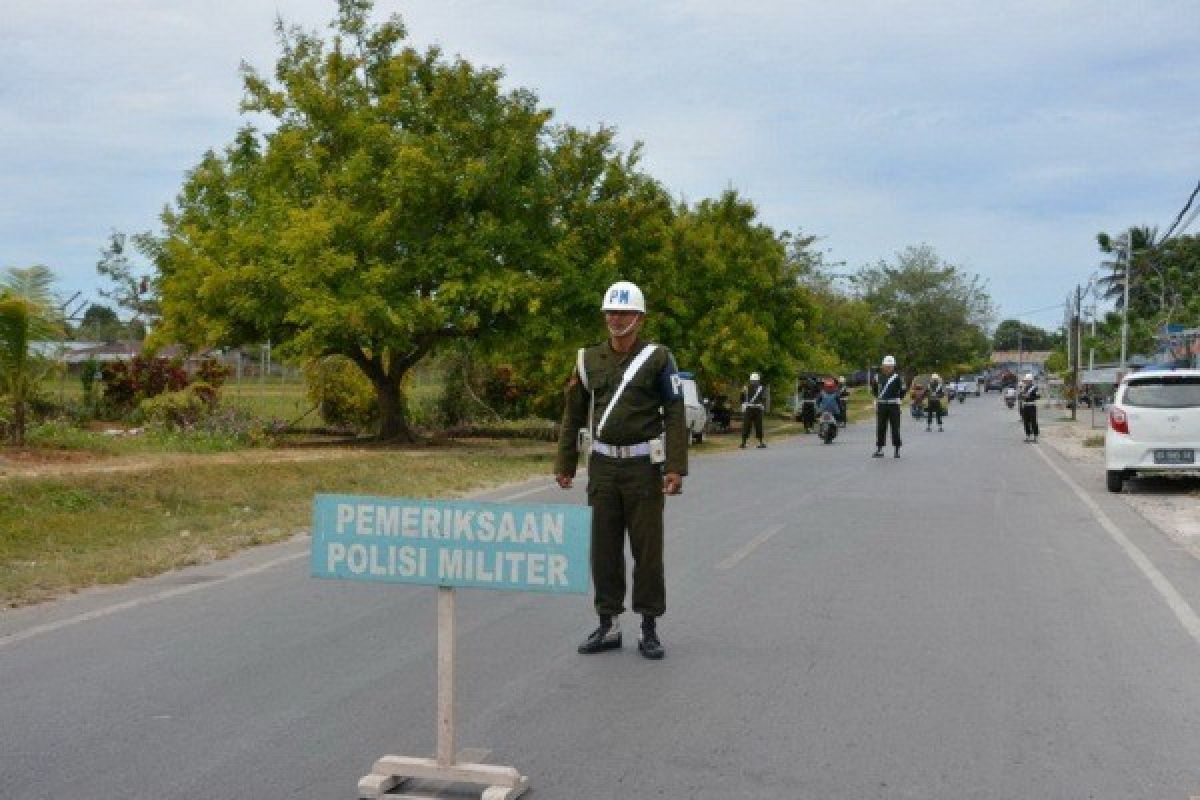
pixel 393 413
pixel 19 420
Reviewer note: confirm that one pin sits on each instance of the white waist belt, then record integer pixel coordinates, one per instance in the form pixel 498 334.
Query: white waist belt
pixel 638 450
pixel 888 402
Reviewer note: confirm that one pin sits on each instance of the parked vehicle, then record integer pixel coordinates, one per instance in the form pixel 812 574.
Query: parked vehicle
pixel 720 416
pixel 695 412
pixel 1153 426
pixel 827 428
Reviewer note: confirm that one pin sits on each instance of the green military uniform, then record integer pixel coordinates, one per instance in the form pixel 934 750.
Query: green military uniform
pixel 624 489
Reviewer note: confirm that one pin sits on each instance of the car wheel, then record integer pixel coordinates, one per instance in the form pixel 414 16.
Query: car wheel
pixel 1114 479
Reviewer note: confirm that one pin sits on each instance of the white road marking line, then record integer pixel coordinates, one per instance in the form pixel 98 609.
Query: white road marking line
pixel 165 594
pixel 749 547
pixel 1183 612
pixel 542 487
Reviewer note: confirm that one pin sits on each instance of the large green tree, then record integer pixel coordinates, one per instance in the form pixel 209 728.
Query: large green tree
pixel 397 201
pixel 27 314
pixel 1012 333
pixel 936 313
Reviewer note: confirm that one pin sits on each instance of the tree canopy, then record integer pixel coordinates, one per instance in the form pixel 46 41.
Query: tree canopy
pixel 936 314
pixel 1012 333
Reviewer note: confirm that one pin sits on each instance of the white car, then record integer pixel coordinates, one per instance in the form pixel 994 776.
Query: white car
pixel 694 410
pixel 1153 426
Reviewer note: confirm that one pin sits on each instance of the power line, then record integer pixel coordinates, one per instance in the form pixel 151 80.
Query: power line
pixel 1032 311
pixel 1182 211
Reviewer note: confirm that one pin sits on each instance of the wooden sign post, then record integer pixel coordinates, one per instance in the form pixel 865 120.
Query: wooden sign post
pixel 449 544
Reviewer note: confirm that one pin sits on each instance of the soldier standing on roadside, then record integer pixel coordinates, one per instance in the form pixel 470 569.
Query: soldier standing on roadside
pixel 889 389
pixel 1028 397
pixel 933 405
pixel 754 402
pixel 626 395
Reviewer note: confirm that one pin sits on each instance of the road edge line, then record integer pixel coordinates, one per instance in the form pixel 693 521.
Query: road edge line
pixel 1183 612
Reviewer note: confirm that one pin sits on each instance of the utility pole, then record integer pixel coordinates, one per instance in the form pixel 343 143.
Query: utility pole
pixel 1125 303
pixel 1092 343
pixel 1076 331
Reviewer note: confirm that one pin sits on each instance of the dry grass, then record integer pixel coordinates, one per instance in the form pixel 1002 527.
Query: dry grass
pixel 68 532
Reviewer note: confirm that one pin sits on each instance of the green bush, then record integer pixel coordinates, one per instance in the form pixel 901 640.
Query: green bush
pixel 342 393
pixel 180 410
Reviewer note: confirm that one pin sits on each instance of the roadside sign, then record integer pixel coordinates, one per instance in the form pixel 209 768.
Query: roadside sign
pixel 450 544
pixel 529 548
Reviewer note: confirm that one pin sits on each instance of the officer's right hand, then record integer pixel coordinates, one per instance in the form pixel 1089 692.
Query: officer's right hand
pixel 564 481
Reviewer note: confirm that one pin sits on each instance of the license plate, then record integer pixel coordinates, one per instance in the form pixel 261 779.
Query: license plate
pixel 1174 456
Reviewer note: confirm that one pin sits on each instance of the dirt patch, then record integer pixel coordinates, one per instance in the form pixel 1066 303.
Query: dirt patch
pixel 1171 504
pixel 60 463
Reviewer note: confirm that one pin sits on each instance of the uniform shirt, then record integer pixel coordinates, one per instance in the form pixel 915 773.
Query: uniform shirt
pixel 754 394
pixel 1030 396
pixel 890 391
pixel 651 404
pixel 937 389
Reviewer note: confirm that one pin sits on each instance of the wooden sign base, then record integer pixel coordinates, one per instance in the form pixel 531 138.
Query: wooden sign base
pixel 501 783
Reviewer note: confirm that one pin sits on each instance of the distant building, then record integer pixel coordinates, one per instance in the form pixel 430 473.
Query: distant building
pixel 1020 362
pixel 1179 346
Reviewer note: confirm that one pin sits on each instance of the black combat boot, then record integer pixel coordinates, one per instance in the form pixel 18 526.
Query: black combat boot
pixel 606 637
pixel 762 445
pixel 897 453
pixel 878 453
pixel 649 645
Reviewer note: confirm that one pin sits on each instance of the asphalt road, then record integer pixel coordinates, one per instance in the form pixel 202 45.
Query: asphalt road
pixel 960 623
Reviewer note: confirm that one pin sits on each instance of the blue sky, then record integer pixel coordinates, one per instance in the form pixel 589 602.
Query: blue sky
pixel 1004 134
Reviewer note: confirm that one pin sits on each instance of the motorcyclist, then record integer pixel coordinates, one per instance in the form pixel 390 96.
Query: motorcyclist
pixel 829 399
pixel 918 401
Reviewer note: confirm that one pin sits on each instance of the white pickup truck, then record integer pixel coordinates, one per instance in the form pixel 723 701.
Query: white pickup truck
pixel 696 413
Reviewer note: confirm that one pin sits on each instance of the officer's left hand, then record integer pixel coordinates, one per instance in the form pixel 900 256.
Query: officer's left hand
pixel 672 483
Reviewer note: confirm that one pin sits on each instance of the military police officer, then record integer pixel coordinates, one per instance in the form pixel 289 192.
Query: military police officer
pixel 933 402
pixel 1028 397
pixel 889 389
pixel 626 400
pixel 754 402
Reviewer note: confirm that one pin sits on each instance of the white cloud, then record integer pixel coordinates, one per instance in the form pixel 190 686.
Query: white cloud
pixel 1004 134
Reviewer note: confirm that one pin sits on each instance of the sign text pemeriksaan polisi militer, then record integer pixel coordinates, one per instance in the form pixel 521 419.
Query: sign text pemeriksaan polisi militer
pixel 531 548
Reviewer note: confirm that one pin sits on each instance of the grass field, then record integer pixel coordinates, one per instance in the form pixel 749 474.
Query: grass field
pixel 73 531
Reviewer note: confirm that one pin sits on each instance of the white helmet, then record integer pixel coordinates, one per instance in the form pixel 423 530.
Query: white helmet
pixel 624 296
pixel 889 361
pixel 754 376
pixel 935 377
pixel 1029 377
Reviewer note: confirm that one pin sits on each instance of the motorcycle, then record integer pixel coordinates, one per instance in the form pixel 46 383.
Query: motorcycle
pixel 1010 397
pixel 828 427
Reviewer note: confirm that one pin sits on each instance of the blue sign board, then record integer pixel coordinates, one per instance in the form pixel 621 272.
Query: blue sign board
pixel 529 548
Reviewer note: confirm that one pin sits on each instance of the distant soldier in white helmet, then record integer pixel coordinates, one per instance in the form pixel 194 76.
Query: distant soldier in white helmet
pixel 627 395
pixel 754 403
pixel 933 402
pixel 1028 397
pixel 889 390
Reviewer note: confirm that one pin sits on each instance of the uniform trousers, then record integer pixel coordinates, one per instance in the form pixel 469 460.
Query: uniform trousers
pixel 626 497
pixel 933 409
pixel 1029 417
pixel 887 415
pixel 752 419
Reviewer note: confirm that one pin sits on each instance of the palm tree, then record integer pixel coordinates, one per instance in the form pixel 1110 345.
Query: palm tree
pixel 27 314
pixel 1139 241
